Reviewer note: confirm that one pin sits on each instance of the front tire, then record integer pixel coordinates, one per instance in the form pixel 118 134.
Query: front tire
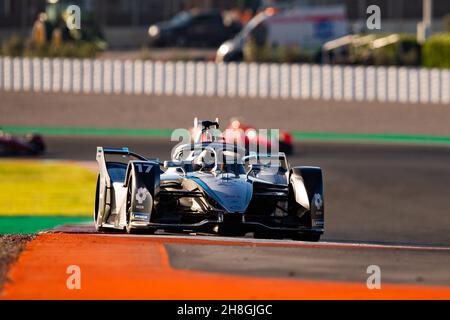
pixel 97 219
pixel 307 237
pixel 128 228
pixel 268 234
pixel 231 231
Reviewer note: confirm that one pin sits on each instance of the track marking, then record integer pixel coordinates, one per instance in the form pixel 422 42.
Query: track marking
pixel 291 243
pixel 138 268
pixel 201 239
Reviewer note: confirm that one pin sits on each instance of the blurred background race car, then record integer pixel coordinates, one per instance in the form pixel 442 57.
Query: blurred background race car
pixel 30 144
pixel 254 139
pixel 237 129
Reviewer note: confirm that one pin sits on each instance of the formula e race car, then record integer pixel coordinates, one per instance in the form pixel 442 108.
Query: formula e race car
pixel 31 144
pixel 209 187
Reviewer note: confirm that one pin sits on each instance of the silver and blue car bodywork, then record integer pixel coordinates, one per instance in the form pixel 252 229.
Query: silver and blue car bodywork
pixel 211 187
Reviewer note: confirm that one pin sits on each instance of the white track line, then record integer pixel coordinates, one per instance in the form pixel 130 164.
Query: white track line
pixel 269 242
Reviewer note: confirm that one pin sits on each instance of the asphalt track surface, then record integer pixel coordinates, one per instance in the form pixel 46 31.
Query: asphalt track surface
pixel 386 205
pixel 162 112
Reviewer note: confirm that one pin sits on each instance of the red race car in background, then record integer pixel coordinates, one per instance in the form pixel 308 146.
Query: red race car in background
pixel 237 131
pixel 31 144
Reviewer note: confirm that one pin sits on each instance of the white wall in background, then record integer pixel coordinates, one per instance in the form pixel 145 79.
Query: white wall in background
pixel 286 81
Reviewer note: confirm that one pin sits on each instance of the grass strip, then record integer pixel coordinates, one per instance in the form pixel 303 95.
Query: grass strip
pixel 298 135
pixel 33 224
pixel 45 189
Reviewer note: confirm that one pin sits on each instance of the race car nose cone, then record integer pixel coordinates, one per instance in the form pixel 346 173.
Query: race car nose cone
pixel 233 195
